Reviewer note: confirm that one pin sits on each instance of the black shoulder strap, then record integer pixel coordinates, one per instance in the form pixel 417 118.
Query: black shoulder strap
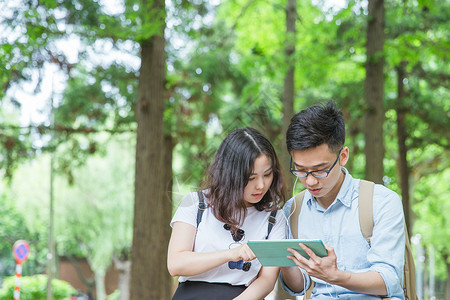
pixel 201 207
pixel 272 220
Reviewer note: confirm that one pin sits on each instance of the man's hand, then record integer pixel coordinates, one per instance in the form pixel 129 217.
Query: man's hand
pixel 324 268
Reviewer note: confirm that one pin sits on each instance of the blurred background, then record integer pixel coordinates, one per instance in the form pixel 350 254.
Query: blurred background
pixel 111 110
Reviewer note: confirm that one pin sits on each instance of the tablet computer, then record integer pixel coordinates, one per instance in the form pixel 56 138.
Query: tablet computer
pixel 272 253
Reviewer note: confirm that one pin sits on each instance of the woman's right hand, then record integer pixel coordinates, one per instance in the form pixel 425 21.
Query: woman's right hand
pixel 241 252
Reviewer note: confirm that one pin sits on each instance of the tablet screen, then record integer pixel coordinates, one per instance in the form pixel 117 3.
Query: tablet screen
pixel 272 253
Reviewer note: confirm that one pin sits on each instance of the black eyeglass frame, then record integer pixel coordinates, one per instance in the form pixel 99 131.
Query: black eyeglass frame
pixel 314 173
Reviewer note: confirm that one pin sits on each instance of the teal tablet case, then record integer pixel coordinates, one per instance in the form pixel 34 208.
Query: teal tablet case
pixel 273 253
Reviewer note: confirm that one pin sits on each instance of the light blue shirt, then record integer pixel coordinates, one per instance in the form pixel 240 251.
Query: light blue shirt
pixel 338 226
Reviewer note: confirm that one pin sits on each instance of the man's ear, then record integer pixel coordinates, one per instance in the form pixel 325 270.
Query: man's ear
pixel 344 156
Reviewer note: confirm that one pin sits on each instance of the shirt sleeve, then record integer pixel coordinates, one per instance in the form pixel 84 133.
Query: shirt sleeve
pixel 387 252
pixel 187 210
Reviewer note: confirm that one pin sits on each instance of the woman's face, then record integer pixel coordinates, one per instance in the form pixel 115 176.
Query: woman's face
pixel 260 180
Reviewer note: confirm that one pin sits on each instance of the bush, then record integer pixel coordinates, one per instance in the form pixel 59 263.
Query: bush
pixel 35 288
pixel 114 296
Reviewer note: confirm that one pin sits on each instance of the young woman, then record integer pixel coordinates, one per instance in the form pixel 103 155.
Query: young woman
pixel 208 248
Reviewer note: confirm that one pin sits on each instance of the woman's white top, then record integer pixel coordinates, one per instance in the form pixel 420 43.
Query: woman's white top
pixel 211 237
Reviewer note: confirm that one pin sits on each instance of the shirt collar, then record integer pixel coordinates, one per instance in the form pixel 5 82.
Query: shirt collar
pixel 346 192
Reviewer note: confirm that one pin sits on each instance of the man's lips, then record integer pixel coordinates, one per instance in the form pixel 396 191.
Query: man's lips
pixel 314 191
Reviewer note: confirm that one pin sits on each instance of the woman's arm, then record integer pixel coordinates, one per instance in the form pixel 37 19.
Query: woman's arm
pixel 262 285
pixel 183 261
pixel 293 279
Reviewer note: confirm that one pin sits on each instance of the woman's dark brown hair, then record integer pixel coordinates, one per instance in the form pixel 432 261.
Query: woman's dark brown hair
pixel 229 173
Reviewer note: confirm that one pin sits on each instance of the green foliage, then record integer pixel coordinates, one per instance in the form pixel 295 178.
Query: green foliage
pixel 432 210
pixel 93 217
pixel 99 99
pixel 100 95
pixel 35 288
pixel 12 224
pixel 15 142
pixel 114 296
pixel 14 227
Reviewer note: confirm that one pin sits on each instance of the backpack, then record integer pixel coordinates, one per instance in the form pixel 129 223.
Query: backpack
pixel 365 211
pixel 202 206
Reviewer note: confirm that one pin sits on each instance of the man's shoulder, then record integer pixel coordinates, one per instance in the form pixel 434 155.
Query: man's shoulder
pixel 385 199
pixel 287 206
pixel 381 192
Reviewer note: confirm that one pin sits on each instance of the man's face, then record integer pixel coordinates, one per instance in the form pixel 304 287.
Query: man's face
pixel 321 159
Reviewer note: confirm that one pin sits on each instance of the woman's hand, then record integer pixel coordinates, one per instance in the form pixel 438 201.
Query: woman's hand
pixel 183 261
pixel 242 251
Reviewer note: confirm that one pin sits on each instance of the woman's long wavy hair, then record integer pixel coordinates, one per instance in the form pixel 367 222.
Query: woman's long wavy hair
pixel 229 173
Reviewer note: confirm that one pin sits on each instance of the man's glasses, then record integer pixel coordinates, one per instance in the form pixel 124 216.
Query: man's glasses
pixel 317 174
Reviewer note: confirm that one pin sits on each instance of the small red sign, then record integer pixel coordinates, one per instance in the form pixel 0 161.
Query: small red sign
pixel 21 250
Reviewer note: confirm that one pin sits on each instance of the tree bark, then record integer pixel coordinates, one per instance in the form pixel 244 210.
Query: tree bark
pixel 288 88
pixel 169 145
pixel 447 281
pixel 373 92
pixel 402 148
pixel 124 268
pixel 288 106
pixel 149 276
pixel 89 282
pixel 100 285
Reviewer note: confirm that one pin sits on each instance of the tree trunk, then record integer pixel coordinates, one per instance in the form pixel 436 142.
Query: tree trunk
pixel 288 88
pixel 402 148
pixel 169 145
pixel 447 281
pixel 288 106
pixel 373 93
pixel 149 276
pixel 100 285
pixel 354 128
pixel 89 282
pixel 124 268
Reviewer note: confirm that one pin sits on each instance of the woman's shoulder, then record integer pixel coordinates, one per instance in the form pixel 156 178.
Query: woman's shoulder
pixel 190 201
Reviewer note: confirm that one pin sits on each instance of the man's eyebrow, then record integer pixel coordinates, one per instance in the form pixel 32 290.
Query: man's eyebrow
pixel 315 166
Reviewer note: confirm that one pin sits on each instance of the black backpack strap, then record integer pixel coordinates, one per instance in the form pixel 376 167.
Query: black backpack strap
pixel 272 220
pixel 201 207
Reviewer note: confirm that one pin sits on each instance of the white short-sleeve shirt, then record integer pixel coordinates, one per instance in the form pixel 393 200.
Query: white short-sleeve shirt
pixel 211 236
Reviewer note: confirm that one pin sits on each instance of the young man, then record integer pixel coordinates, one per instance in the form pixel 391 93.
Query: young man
pixel 353 269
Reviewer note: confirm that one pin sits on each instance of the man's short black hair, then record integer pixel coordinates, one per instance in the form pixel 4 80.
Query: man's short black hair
pixel 316 125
